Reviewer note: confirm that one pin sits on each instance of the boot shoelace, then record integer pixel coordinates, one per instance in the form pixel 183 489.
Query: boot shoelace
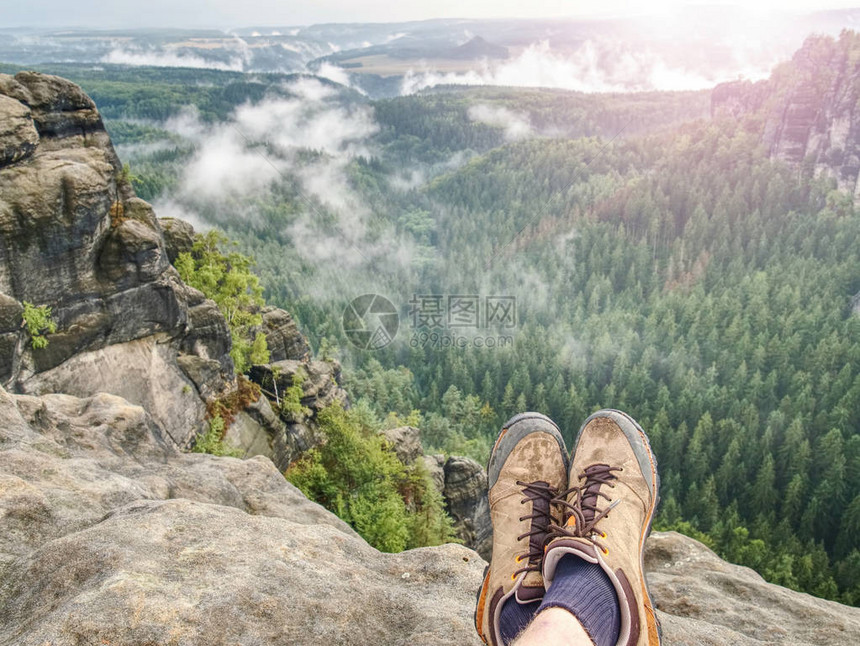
pixel 541 495
pixel 581 514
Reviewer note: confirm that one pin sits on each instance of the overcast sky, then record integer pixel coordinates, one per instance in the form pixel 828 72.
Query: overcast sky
pixel 242 13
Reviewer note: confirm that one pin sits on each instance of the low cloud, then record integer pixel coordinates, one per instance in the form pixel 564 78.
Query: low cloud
pixel 411 178
pixel 126 56
pixel 593 67
pixel 261 141
pixel 225 166
pixel 335 73
pixel 236 56
pixel 309 141
pixel 516 124
pixel 309 121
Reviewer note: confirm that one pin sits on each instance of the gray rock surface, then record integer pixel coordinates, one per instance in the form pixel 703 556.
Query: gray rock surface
pixel 109 535
pixel 282 335
pixel 465 496
pixel 406 443
pixel 18 136
pixel 143 371
pixel 259 430
pixel 178 236
pixel 75 238
pixel 705 601
pixel 435 465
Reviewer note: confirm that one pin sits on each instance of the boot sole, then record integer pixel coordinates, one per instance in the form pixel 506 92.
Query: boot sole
pixel 480 600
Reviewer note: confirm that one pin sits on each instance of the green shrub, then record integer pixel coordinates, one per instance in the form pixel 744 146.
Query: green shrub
pixel 356 475
pixel 227 280
pixel 212 440
pixel 291 400
pixel 38 322
pixel 127 177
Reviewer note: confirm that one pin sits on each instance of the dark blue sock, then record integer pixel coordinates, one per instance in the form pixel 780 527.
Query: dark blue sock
pixel 584 589
pixel 515 616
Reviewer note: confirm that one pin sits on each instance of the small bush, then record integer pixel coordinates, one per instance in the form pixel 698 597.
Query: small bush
pixel 38 322
pixel 212 440
pixel 356 475
pixel 228 404
pixel 291 400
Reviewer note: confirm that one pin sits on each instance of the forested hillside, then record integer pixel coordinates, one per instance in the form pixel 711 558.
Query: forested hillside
pixel 661 262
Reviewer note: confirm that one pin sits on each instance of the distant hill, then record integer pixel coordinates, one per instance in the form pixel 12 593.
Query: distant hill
pixel 478 48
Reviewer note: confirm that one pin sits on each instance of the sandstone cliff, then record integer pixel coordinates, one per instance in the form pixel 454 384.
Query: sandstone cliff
pixel 809 108
pixel 462 483
pixel 74 237
pixel 109 535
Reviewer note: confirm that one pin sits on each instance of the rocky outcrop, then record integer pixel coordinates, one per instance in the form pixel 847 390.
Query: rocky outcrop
pixel 462 483
pixel 282 336
pixel 405 442
pixel 738 98
pixel 809 108
pixel 178 237
pixel 295 432
pixel 465 496
pixel 100 512
pixel 704 601
pixel 17 131
pixel 75 238
pixel 108 534
pixel 320 381
pixel 435 465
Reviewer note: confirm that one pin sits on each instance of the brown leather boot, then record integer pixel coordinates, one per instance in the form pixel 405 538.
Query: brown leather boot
pixel 607 509
pixel 527 469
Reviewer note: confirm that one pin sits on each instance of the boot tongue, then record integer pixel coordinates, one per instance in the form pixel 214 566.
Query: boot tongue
pixel 531 587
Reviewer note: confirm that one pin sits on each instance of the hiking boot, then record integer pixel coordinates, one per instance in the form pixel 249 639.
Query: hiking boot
pixel 607 512
pixel 527 469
